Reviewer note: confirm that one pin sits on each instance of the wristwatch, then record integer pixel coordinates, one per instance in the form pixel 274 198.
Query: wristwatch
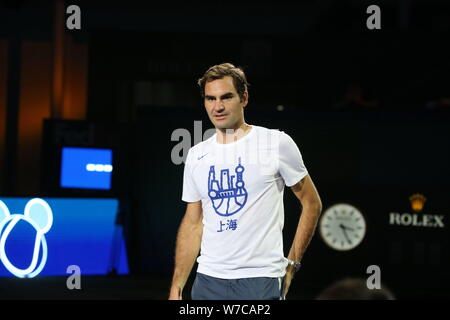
pixel 296 265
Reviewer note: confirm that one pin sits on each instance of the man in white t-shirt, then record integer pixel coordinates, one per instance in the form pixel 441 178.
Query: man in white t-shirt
pixel 233 184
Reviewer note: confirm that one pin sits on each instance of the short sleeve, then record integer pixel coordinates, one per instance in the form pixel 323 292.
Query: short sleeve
pixel 190 192
pixel 291 166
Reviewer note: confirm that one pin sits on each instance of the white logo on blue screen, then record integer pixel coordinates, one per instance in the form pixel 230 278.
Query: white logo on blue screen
pixel 227 196
pixel 39 215
pixel 99 167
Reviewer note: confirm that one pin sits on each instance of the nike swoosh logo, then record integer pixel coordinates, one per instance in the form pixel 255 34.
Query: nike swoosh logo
pixel 201 156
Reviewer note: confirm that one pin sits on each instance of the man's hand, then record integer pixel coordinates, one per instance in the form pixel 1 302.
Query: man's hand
pixel 290 271
pixel 175 294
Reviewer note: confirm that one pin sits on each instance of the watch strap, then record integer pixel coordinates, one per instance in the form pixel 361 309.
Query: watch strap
pixel 294 264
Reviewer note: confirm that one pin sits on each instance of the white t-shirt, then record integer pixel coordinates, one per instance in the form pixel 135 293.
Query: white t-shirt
pixel 241 187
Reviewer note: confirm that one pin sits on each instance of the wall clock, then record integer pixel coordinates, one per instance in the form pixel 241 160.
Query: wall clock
pixel 342 227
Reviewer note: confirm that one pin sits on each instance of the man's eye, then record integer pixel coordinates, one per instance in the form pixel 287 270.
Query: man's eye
pixel 209 98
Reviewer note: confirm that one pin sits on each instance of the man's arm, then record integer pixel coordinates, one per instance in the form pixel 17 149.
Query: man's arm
pixel 306 193
pixel 187 248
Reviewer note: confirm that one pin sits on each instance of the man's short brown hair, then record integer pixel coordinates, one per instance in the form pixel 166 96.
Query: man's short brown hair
pixel 220 71
pixel 354 289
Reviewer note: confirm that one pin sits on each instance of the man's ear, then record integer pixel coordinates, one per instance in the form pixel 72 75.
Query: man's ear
pixel 245 98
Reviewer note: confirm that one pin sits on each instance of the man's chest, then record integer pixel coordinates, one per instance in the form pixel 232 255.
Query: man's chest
pixel 220 176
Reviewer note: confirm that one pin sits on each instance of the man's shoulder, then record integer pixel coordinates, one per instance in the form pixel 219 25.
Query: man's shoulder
pixel 202 146
pixel 276 137
pixel 269 133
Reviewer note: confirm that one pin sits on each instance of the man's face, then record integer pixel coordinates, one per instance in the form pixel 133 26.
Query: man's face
pixel 223 104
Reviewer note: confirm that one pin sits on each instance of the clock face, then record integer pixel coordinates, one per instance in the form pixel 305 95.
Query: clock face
pixel 342 227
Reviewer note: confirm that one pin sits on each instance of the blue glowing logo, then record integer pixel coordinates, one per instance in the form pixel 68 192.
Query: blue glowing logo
pixel 86 168
pixel 38 215
pixel 227 198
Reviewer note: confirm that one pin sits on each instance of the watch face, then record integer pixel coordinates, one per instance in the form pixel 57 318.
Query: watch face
pixel 342 227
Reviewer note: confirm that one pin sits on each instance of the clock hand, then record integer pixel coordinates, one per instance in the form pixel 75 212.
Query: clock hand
pixel 345 232
pixel 347 228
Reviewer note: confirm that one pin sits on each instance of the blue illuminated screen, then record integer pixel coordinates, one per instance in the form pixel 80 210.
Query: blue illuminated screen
pixel 86 168
pixel 79 232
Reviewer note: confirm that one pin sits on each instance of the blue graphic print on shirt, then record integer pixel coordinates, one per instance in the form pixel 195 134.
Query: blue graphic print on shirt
pixel 227 196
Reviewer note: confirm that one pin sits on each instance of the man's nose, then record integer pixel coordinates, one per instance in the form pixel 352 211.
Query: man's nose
pixel 219 105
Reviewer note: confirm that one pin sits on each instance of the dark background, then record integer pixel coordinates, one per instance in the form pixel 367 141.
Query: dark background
pixel 130 80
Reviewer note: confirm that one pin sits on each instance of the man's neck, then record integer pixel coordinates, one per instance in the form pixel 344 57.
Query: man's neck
pixel 230 135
